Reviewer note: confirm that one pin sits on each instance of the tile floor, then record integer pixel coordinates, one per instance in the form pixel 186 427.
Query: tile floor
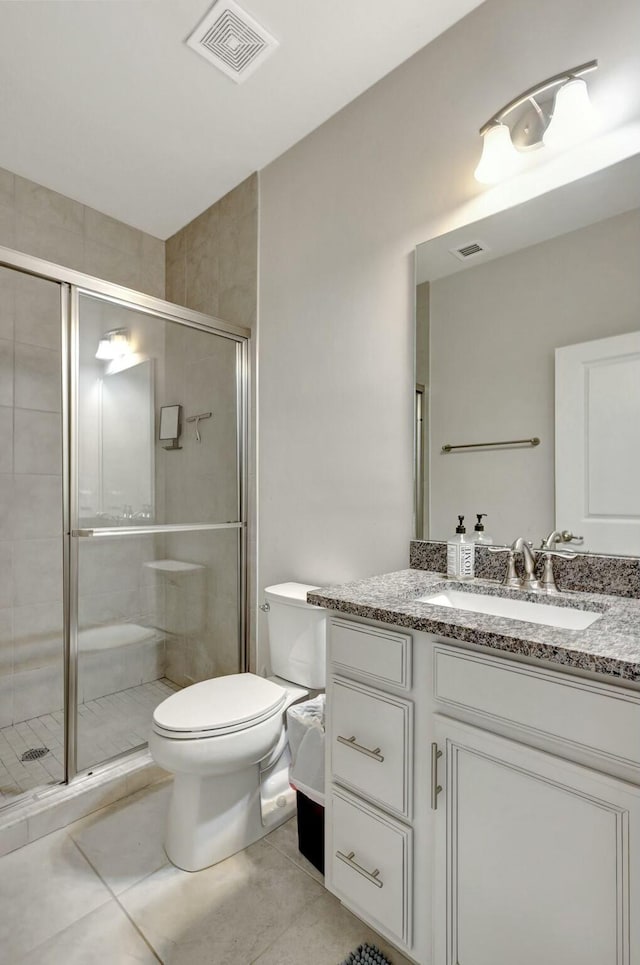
pixel 103 891
pixel 107 726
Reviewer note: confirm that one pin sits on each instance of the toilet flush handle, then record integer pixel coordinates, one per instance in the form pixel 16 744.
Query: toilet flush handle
pixel 265 606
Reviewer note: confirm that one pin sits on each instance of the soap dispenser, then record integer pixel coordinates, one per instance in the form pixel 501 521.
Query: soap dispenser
pixel 460 554
pixel 479 535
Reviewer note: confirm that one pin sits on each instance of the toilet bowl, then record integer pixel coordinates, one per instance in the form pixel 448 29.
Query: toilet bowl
pixel 225 742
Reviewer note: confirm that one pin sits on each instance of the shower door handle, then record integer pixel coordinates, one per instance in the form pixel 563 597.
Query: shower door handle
pixel 108 531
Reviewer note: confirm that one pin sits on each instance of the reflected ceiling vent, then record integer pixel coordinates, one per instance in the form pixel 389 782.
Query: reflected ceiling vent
pixel 232 40
pixel 471 250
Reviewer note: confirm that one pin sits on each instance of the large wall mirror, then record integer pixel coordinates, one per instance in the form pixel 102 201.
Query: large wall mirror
pixel 528 368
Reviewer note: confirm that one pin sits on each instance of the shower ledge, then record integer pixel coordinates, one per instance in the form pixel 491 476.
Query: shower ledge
pixel 174 566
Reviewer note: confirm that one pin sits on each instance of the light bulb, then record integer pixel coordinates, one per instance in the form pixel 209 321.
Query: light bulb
pixel 572 118
pixel 499 158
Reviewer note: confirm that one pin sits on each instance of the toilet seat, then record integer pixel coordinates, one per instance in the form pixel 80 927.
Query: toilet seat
pixel 223 705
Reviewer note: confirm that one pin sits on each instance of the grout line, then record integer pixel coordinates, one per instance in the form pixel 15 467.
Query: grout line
pixel 295 863
pixel 114 897
pixel 287 928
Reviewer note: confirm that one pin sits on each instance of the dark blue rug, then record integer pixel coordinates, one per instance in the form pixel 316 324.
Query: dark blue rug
pixel 366 955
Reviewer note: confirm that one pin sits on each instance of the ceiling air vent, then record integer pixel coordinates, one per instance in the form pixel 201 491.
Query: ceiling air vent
pixel 470 250
pixel 232 40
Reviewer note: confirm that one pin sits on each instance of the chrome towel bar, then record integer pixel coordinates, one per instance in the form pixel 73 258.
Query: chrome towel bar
pixel 535 441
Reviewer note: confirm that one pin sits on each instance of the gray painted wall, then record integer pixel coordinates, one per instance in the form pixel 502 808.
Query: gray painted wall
pixel 340 214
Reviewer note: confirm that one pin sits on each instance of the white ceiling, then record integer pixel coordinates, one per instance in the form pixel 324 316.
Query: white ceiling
pixel 102 100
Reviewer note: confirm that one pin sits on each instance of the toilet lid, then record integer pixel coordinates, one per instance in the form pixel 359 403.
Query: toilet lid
pixel 222 704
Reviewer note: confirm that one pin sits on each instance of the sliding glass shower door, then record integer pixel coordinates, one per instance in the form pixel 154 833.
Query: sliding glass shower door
pixel 122 515
pixel 157 522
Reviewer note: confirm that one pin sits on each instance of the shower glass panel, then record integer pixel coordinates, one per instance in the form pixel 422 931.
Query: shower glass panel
pixel 168 611
pixel 132 365
pixel 156 548
pixel 32 735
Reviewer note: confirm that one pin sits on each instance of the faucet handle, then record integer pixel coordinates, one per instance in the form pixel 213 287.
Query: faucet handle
pixel 510 578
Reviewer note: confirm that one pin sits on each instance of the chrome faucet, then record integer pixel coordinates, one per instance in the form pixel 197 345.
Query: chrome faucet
pixel 529 581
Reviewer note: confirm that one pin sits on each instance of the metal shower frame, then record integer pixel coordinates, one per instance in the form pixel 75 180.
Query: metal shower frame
pixel 73 285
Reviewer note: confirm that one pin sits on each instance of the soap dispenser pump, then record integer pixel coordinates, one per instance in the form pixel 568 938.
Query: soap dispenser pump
pixel 460 554
pixel 479 534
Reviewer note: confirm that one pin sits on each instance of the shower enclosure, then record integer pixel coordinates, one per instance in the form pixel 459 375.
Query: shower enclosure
pixel 122 515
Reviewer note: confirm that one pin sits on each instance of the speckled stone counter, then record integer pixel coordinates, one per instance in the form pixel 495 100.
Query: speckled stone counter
pixel 610 646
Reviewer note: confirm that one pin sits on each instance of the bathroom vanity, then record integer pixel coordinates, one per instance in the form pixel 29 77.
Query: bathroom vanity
pixel 483 789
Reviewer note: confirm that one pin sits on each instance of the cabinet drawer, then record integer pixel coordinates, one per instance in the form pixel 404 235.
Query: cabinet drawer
pixel 379 655
pixel 592 716
pixel 371 747
pixel 370 864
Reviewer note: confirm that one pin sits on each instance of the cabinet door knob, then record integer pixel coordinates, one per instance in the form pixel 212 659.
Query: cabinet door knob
pixel 372 876
pixel 435 787
pixel 351 742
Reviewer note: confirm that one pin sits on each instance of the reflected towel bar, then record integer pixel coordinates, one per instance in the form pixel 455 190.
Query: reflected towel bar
pixel 481 445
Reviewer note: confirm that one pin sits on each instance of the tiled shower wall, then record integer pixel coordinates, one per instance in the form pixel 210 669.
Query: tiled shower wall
pixel 48 225
pixel 212 266
pixel 200 481
pixel 30 498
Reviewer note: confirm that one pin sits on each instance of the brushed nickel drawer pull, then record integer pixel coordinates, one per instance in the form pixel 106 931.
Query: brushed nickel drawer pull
pixel 351 742
pixel 435 787
pixel 371 876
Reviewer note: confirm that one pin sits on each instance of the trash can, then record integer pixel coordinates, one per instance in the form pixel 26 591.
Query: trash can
pixel 305 725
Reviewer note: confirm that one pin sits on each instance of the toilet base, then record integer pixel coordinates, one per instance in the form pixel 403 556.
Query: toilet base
pixel 211 818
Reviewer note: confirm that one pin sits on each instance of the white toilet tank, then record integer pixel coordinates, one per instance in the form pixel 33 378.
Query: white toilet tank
pixel 297 635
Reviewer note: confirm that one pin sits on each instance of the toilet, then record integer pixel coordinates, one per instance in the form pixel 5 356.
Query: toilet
pixel 225 741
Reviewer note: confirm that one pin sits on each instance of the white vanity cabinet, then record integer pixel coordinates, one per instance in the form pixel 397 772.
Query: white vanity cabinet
pixel 531 854
pixel 371 798
pixel 537 857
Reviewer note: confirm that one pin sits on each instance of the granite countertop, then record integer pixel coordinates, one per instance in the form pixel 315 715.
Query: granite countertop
pixel 610 646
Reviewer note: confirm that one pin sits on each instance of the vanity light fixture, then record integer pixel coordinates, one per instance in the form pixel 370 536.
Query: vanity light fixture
pixel 113 344
pixel 536 120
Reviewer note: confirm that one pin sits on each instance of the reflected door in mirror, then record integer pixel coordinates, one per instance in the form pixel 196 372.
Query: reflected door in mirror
pixel 598 442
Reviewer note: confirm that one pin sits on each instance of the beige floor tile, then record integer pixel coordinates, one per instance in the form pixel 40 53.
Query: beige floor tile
pixel 225 915
pixel 44 888
pixel 104 937
pixel 285 839
pixel 124 842
pixel 324 934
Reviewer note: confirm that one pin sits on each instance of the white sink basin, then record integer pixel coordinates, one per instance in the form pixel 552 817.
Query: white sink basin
pixel 567 618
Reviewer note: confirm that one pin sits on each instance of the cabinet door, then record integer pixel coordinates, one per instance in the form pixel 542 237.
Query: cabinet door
pixel 537 859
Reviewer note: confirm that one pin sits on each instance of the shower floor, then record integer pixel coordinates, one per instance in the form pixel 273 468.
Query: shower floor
pixel 107 726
